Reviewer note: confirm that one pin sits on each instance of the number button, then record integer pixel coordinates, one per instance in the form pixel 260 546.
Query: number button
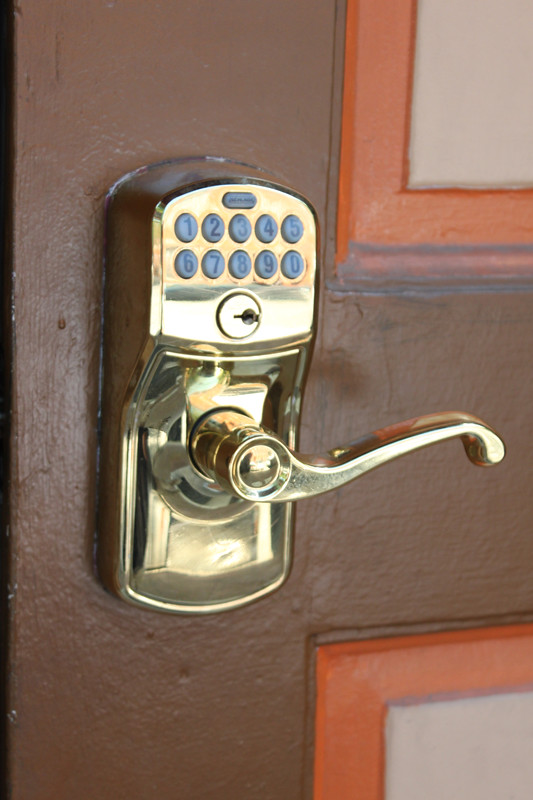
pixel 186 264
pixel 240 228
pixel 186 227
pixel 266 228
pixel 239 264
pixel 266 264
pixel 213 228
pixel 292 229
pixel 213 264
pixel 292 265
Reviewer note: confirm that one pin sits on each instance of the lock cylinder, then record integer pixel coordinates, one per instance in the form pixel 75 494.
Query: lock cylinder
pixel 238 315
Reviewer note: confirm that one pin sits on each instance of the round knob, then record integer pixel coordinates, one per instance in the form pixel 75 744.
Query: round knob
pixel 259 467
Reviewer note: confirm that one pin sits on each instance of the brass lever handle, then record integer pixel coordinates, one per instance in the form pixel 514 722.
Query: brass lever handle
pixel 251 462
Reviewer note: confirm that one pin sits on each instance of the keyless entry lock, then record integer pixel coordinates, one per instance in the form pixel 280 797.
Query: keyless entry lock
pixel 211 291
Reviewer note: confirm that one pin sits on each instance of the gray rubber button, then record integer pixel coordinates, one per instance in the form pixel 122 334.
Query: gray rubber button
pixel 213 228
pixel 240 228
pixel 186 227
pixel 213 264
pixel 292 264
pixel 186 264
pixel 239 264
pixel 239 200
pixel 266 264
pixel 266 228
pixel 292 229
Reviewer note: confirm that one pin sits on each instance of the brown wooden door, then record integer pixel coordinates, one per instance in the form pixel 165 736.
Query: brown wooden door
pixel 108 701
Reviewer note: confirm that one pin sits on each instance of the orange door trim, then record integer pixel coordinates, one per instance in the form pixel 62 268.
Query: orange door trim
pixel 358 681
pixel 375 205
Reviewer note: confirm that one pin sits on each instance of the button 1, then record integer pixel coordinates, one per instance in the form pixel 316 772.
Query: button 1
pixel 213 228
pixel 239 264
pixel 186 227
pixel 240 228
pixel 239 200
pixel 266 228
pixel 292 229
pixel 213 264
pixel 186 264
pixel 292 264
pixel 266 264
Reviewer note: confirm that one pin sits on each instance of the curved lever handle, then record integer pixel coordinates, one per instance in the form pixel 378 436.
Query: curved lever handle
pixel 253 463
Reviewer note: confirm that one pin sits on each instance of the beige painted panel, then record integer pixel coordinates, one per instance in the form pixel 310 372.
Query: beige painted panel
pixel 467 749
pixel 472 112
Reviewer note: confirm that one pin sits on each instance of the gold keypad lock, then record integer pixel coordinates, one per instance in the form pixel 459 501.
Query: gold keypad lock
pixel 211 273
pixel 211 289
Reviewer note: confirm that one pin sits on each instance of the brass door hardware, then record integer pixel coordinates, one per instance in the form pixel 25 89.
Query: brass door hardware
pixel 211 294
pixel 253 463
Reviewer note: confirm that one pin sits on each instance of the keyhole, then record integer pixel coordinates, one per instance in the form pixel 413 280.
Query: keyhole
pixel 249 317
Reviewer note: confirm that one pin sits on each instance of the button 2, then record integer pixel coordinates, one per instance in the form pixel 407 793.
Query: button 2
pixel 212 228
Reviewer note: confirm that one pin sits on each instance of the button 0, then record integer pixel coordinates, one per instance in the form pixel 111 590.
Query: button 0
pixel 266 228
pixel 239 200
pixel 212 228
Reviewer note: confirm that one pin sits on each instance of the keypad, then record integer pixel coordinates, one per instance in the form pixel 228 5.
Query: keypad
pixel 244 237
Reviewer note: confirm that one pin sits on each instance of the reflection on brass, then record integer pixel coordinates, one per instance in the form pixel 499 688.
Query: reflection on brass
pixel 225 443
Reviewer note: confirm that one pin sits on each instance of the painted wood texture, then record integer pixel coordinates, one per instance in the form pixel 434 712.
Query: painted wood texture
pixel 358 682
pixel 106 701
pixel 375 206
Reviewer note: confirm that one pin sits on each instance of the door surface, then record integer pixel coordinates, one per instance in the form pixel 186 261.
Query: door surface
pixel 109 701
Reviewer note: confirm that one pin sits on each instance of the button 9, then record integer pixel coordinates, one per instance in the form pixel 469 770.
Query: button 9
pixel 266 264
